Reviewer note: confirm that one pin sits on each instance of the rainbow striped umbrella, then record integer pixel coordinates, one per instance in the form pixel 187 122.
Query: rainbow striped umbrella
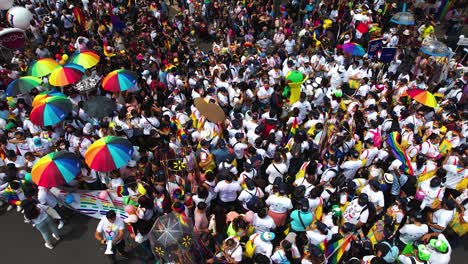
pixel 353 49
pixel 50 110
pixel 66 74
pixel 109 153
pixel 42 67
pixel 87 59
pixel 22 85
pixel 38 99
pixel 56 169
pixel 119 80
pixel 422 96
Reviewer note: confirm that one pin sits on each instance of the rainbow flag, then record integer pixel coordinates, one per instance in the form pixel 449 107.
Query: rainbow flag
pixel 335 251
pixel 294 127
pixel 399 153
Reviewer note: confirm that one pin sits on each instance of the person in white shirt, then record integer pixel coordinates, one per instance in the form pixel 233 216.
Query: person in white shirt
pixel 440 219
pixel 376 196
pixel 289 45
pixel 111 230
pixel 276 169
pixel 318 234
pixel 439 248
pixel 232 250
pixel 262 243
pixel 412 231
pixel 247 194
pixel 227 191
pixel 262 222
pixel 369 153
pixel 351 165
pixel 279 205
pixel 357 212
pixel 430 148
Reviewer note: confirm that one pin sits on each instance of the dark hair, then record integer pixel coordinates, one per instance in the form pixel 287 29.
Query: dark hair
pixel 287 246
pixel 111 214
pixel 202 205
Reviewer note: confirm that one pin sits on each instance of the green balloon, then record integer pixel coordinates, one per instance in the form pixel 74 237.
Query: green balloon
pixel 338 93
pixel 28 177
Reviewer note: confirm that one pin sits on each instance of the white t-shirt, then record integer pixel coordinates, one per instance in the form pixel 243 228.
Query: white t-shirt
pixel 279 204
pixel 354 213
pixel 273 172
pixel 436 256
pixel 377 198
pixel 442 217
pixel 411 232
pixel 261 247
pixel 227 191
pixel 350 168
pixel 315 237
pixel 246 195
pixel 110 230
pixel 263 224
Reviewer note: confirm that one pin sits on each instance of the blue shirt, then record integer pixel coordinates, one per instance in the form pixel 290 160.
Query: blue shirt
pixel 296 222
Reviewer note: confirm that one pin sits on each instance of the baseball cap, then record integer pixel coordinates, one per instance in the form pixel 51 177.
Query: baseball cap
pixel 267 236
pixel 336 211
pixel 423 253
pixel 439 244
pixel 282 188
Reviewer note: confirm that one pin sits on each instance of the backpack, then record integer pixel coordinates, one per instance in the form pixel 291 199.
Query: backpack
pixel 254 202
pixel 377 138
pixel 392 254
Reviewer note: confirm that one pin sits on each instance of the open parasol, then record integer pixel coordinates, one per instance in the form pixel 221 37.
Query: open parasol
pixel 422 96
pixel 212 112
pixel 434 47
pixel 56 169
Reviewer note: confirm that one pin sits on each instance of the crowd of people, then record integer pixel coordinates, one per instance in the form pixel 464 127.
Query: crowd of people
pixel 309 181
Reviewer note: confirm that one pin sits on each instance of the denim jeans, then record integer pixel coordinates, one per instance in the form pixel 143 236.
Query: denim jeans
pixel 47 227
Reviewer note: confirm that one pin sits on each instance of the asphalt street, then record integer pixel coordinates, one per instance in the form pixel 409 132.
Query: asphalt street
pixel 21 243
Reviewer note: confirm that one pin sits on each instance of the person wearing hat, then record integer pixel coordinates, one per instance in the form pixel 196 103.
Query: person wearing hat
pixel 263 243
pixel 439 248
pixel 357 211
pixel 421 256
pixel 279 204
pixel 301 218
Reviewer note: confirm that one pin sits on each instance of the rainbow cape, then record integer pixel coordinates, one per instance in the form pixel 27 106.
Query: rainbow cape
pixel 294 127
pixel 399 153
pixel 335 251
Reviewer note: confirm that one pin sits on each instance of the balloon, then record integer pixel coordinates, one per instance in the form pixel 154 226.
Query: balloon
pixel 28 177
pixel 141 189
pixel 129 209
pixel 58 57
pixel 61 62
pixel 338 93
pixel 19 17
pixel 103 195
pixel 64 57
pixel 69 198
pixel 6 4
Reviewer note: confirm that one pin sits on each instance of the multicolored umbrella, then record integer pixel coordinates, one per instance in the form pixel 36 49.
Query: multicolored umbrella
pixel 22 85
pixel 109 153
pixel 56 169
pixel 42 67
pixel 403 18
pixel 119 80
pixel 422 96
pixel 87 59
pixel 38 99
pixel 50 110
pixel 434 48
pixel 66 74
pixel 353 49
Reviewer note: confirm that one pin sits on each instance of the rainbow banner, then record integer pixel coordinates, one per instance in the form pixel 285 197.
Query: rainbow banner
pixel 399 153
pixel 89 203
pixel 335 251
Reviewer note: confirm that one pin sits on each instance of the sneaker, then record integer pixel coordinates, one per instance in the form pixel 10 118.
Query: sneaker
pixel 18 209
pixel 27 221
pixel 61 224
pixel 9 207
pixel 56 237
pixel 49 246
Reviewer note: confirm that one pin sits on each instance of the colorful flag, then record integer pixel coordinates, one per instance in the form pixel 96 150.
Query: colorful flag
pixel 399 153
pixel 335 251
pixel 294 127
